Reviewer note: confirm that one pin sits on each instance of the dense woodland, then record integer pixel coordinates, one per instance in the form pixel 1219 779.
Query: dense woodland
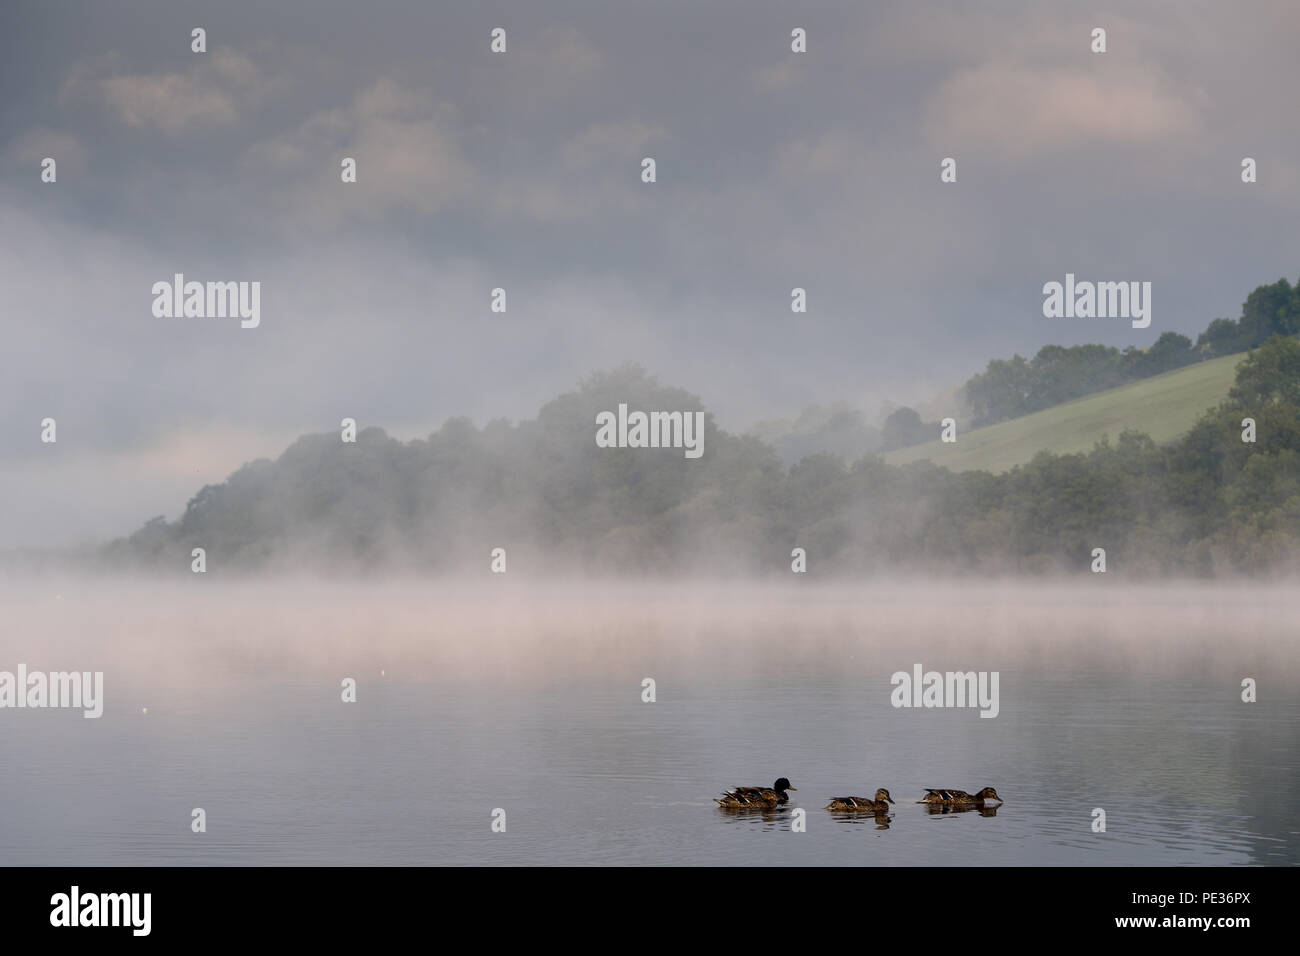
pixel 1207 504
pixel 1009 388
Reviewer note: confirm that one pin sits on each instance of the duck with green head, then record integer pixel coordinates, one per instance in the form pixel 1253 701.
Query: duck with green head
pixel 743 798
pixel 879 805
pixel 959 798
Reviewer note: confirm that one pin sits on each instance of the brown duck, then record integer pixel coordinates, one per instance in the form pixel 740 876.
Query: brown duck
pixel 747 797
pixel 879 805
pixel 959 798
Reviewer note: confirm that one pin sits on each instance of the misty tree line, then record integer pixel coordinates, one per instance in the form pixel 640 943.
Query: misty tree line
pixel 1009 388
pixel 842 430
pixel 1206 504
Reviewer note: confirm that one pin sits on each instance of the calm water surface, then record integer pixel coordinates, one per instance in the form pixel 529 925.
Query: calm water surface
pixel 588 774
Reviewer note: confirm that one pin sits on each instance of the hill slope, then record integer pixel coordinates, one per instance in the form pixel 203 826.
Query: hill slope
pixel 1163 407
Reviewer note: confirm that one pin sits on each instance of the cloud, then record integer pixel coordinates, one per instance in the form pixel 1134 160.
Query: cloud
pixel 406 144
pixel 210 94
pixel 31 147
pixel 557 60
pixel 785 75
pixel 565 50
pixel 1019 112
pixel 603 142
pixel 523 170
pixel 835 153
pixel 594 176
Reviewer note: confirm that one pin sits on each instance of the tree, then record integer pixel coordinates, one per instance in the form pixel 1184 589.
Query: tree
pixel 1267 311
pixel 1169 352
pixel 904 427
pixel 1271 373
pixel 1221 337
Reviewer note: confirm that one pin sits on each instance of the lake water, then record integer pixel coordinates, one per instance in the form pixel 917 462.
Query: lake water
pixel 531 702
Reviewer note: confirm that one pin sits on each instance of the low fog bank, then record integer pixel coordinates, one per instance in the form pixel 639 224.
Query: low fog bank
pixel 551 496
pixel 563 493
pixel 504 629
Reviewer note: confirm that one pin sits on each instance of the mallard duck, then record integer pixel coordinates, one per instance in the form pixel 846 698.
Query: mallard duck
pixel 743 797
pixel 878 805
pixel 959 797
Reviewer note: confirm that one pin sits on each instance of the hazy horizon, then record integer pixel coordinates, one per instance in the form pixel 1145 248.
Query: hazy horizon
pixel 776 170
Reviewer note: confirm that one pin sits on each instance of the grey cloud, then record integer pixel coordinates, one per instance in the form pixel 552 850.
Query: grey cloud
pixel 522 171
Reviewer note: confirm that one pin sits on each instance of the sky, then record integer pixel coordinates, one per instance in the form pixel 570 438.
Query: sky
pixel 522 170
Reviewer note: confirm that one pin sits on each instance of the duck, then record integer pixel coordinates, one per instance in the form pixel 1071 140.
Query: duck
pixel 959 798
pixel 745 797
pixel 879 805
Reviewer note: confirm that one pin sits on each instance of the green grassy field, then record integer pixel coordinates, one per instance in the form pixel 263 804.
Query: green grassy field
pixel 1164 407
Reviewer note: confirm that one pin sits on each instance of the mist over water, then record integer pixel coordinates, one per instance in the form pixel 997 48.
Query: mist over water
pixel 500 692
pixel 776 421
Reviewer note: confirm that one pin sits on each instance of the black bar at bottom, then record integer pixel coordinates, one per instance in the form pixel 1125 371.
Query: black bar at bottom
pixel 953 905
